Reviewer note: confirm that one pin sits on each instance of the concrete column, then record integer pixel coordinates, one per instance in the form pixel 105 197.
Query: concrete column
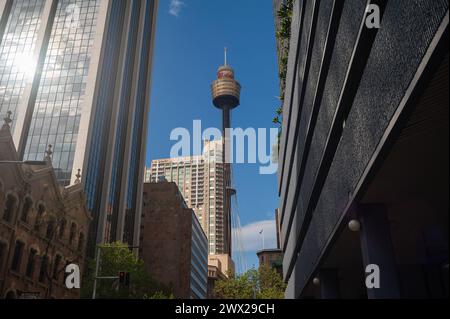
pixel 329 283
pixel 25 108
pixel 88 107
pixel 5 10
pixel 377 248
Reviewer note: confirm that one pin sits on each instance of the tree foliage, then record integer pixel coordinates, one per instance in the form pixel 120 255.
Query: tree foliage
pixel 117 257
pixel 264 283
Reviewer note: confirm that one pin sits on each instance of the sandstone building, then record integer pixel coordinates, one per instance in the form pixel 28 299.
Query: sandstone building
pixel 43 227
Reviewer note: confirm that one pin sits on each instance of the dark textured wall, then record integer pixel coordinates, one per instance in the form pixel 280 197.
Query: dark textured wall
pixel 166 232
pixel 316 188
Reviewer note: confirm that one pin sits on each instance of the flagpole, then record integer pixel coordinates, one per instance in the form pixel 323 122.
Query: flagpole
pixel 264 246
pixel 261 232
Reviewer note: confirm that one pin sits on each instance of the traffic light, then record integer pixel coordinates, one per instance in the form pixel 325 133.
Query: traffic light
pixel 124 278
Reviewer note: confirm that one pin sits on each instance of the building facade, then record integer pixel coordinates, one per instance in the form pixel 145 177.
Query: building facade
pixel 201 181
pixel 217 271
pixel 76 75
pixel 43 227
pixel 363 169
pixel 172 243
pixel 271 258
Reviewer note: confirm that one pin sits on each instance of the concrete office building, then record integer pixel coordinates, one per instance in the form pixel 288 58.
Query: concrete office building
pixel 200 179
pixel 172 243
pixel 75 74
pixel 215 273
pixel 363 170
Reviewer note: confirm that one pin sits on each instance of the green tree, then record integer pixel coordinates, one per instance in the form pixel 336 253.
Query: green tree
pixel 271 284
pixel 118 257
pixel 264 283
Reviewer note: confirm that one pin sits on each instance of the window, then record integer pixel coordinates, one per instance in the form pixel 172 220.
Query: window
pixel 27 205
pixel 39 216
pixel 81 242
pixel 62 228
pixel 30 263
pixel 10 206
pixel 50 229
pixel 17 258
pixel 73 230
pixel 2 254
pixel 56 266
pixel 43 270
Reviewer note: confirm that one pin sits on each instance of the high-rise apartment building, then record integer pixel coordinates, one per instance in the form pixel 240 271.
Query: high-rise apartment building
pixel 75 74
pixel 200 179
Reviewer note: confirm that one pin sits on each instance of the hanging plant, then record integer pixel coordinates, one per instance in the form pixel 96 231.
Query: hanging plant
pixel 283 34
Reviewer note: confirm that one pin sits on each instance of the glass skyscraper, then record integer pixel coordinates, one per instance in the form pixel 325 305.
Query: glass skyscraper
pixel 75 74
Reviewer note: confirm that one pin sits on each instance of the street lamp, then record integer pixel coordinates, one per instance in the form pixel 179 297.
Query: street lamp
pixel 354 225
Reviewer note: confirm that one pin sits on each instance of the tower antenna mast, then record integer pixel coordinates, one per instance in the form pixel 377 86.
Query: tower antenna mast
pixel 225 53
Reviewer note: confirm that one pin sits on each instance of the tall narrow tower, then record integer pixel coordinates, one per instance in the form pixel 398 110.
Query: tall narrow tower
pixel 226 96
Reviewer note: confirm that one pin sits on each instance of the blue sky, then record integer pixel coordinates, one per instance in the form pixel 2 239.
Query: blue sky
pixel 190 38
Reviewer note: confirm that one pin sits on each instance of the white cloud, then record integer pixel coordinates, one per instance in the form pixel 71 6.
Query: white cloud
pixel 175 7
pixel 252 239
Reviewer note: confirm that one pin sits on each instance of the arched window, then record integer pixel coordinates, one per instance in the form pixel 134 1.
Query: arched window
pixel 10 207
pixel 3 254
pixel 2 192
pixel 30 263
pixel 39 217
pixel 73 231
pixel 62 228
pixel 11 295
pixel 27 205
pixel 56 267
pixel 43 270
pixel 80 242
pixel 17 257
pixel 50 229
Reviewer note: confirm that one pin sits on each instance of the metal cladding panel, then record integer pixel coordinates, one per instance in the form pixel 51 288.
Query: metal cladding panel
pixel 345 41
pixel 316 62
pixel 321 30
pixel 295 108
pixel 406 32
pixel 290 289
pixel 290 76
pixel 289 187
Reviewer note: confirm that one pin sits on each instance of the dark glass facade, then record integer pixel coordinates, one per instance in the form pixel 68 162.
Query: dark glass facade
pixel 199 261
pixel 124 113
pixel 102 117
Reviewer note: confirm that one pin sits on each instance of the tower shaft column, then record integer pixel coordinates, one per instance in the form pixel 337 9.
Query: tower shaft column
pixel 226 124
